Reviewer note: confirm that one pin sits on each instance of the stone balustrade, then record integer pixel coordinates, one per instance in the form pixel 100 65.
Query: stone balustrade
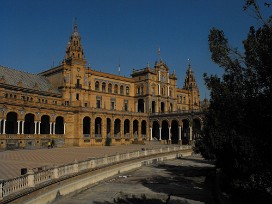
pixel 34 178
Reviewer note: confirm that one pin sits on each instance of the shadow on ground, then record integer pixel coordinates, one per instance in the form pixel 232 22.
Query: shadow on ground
pixel 142 200
pixel 190 182
pixel 182 182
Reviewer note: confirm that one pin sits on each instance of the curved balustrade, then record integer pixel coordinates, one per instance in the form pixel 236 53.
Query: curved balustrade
pixel 32 179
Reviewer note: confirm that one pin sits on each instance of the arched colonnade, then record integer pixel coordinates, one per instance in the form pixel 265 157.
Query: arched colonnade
pixel 175 131
pixel 117 127
pixel 28 123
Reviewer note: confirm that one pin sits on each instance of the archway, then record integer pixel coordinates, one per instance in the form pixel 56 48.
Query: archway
pixel 29 125
pixel 98 127
pixel 108 127
pixel 153 107
pixel 165 130
pixel 11 123
pixel 140 105
pixel 185 132
pixel 174 132
pixel 45 124
pixel 162 107
pixel 126 128
pixel 156 130
pixel 86 125
pixel 59 125
pixel 135 128
pixel 117 128
pixel 143 129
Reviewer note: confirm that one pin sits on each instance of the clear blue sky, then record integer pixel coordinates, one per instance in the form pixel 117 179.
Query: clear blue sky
pixel 34 33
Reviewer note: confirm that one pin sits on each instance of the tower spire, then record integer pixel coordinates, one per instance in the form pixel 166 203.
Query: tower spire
pixel 74 49
pixel 75 24
pixel 189 64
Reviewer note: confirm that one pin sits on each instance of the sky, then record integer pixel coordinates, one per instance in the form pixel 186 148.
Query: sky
pixel 34 33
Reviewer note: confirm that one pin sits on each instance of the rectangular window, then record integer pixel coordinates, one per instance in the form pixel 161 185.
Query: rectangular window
pixel 126 105
pixel 77 96
pixel 66 103
pixel 98 101
pixel 113 104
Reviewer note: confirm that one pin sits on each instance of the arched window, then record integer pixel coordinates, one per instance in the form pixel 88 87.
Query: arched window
pixel 104 87
pixel 59 125
pixel 97 86
pixel 110 88
pixel 127 90
pixel 116 89
pixel 122 90
pixel 86 125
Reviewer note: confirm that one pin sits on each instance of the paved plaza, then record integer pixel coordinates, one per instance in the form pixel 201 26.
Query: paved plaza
pixel 188 180
pixel 12 161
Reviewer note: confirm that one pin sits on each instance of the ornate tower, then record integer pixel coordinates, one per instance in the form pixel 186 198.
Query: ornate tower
pixel 191 86
pixel 74 49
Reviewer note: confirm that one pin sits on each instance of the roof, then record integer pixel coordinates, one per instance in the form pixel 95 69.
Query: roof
pixel 30 81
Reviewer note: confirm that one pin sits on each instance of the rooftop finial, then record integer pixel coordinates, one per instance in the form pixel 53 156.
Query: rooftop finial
pixel 119 68
pixel 189 64
pixel 75 24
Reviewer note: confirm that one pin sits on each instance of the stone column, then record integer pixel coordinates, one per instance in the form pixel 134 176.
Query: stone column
pixel 18 127
pixel 169 133
pixel 1 189
pixel 54 128
pixel 50 131
pixel 144 107
pixel 104 130
pixel 179 128
pixel 160 133
pixel 140 131
pixel 122 131
pixel 131 130
pixel 191 132
pixel 64 128
pixel 39 127
pixel 112 128
pixel 35 127
pixel 151 134
pixel 23 129
pixel 0 126
pixel 159 86
pixel 4 127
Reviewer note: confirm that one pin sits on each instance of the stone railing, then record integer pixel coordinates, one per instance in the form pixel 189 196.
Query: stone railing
pixel 36 177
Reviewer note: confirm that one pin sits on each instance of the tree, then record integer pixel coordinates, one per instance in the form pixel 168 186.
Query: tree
pixel 238 123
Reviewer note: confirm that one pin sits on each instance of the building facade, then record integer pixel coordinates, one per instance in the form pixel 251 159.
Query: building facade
pixel 77 106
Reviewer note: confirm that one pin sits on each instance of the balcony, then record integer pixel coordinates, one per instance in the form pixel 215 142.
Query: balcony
pixel 78 86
